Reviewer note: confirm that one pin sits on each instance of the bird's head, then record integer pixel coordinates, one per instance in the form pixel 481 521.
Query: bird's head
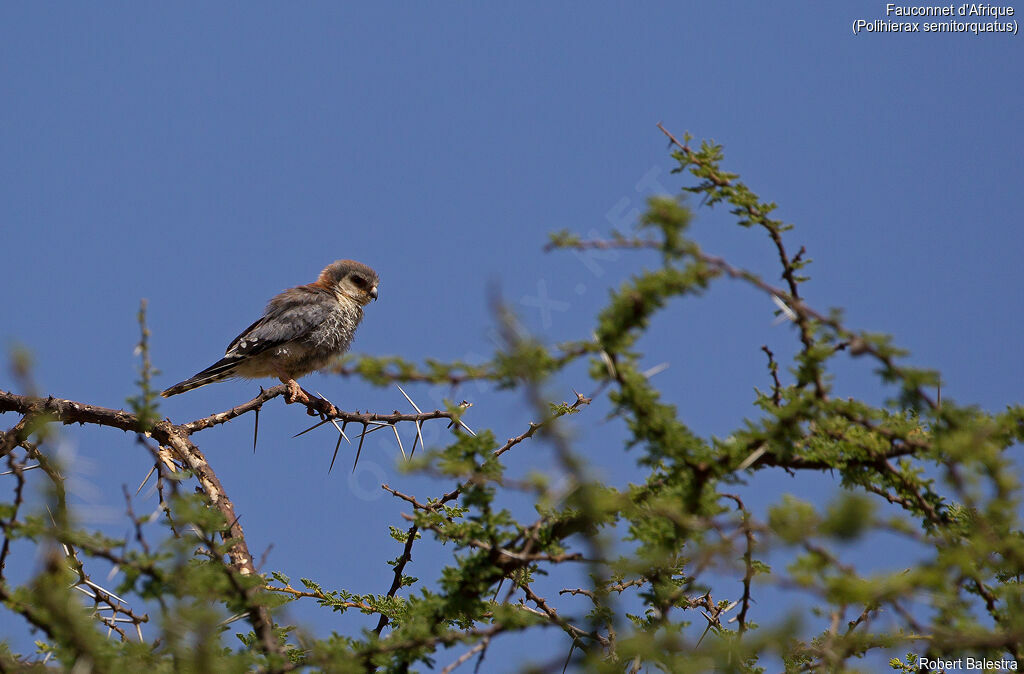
pixel 351 279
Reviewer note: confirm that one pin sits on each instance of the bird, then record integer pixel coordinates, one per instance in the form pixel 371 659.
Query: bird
pixel 300 331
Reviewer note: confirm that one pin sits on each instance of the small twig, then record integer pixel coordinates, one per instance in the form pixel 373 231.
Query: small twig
pixel 748 561
pixel 773 368
pixel 406 557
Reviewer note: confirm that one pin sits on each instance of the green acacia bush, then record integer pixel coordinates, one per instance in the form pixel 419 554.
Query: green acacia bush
pixel 673 565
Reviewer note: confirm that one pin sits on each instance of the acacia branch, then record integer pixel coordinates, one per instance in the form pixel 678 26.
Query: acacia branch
pixel 858 344
pixel 396 583
pixel 184 450
pixel 748 561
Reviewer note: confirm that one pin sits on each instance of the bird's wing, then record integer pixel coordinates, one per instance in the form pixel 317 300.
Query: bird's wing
pixel 289 316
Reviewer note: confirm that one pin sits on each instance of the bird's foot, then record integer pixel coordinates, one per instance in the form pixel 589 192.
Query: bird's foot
pixel 295 394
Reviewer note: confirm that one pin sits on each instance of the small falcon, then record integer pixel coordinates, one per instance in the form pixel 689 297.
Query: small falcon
pixel 302 329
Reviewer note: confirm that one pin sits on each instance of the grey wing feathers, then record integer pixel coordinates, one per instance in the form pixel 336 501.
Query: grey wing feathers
pixel 287 318
pixel 291 315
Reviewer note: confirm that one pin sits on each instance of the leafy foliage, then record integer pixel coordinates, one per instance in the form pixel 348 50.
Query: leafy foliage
pixel 674 564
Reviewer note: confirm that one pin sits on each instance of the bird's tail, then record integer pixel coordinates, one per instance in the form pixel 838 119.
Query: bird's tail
pixel 219 371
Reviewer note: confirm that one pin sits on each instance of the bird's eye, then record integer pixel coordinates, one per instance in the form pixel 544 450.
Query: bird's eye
pixel 359 281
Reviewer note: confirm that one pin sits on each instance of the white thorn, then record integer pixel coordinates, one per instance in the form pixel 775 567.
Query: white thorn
pixel 84 591
pixel 92 584
pixel 418 410
pixel 399 438
pixel 228 621
pixel 657 369
pixel 146 479
pixel 754 456
pixel 420 436
pixel 341 431
pixel 26 468
pixel 787 313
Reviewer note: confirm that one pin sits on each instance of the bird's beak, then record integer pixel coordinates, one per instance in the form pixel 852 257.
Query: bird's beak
pixel 373 293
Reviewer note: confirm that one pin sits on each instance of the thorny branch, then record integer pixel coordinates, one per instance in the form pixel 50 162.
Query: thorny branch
pixel 857 342
pixel 411 535
pixel 748 564
pixel 175 439
pixel 509 559
pixel 789 266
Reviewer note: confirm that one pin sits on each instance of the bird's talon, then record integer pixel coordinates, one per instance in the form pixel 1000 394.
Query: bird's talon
pixel 294 393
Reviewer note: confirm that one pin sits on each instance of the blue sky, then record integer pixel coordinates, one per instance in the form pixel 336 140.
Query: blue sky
pixel 208 156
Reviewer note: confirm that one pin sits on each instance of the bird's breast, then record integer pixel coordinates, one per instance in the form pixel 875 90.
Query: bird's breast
pixel 334 335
